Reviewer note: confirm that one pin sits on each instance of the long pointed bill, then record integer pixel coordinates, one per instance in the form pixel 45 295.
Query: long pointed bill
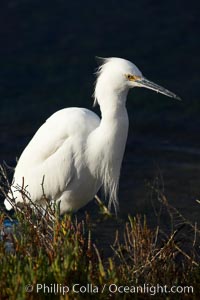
pixel 143 82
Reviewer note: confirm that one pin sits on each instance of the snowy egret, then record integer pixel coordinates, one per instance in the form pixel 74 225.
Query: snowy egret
pixel 75 153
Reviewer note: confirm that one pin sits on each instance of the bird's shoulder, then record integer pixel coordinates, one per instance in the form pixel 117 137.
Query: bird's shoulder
pixel 73 120
pixel 63 128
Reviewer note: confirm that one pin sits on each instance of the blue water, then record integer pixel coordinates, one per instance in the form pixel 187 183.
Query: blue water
pixel 6 234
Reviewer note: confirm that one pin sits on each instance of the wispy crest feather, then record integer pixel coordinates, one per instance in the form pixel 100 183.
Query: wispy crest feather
pixel 102 61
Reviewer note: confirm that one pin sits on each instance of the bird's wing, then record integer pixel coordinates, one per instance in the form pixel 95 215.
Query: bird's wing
pixel 51 155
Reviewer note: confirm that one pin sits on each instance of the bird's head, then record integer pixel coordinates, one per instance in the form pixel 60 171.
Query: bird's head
pixel 119 75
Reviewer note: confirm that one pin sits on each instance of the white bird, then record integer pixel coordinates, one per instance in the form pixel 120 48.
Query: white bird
pixel 75 153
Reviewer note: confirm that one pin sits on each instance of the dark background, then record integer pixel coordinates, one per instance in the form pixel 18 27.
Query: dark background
pixel 47 62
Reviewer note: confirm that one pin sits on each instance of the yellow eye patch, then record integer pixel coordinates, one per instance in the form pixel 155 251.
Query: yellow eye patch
pixel 132 77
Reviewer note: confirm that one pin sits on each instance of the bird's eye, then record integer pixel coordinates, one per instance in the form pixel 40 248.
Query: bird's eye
pixel 129 77
pixel 132 77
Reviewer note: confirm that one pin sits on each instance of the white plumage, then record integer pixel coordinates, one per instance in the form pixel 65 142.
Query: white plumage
pixel 75 153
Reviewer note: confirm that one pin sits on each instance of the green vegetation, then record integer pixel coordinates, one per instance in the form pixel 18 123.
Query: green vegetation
pixel 62 253
pixel 52 255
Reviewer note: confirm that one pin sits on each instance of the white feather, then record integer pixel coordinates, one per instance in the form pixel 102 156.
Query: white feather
pixel 74 153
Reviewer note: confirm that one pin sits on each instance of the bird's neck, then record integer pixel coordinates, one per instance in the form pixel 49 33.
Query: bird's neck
pixel 114 118
pixel 107 142
pixel 106 145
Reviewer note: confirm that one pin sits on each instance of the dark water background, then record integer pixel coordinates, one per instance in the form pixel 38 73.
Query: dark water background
pixel 47 61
